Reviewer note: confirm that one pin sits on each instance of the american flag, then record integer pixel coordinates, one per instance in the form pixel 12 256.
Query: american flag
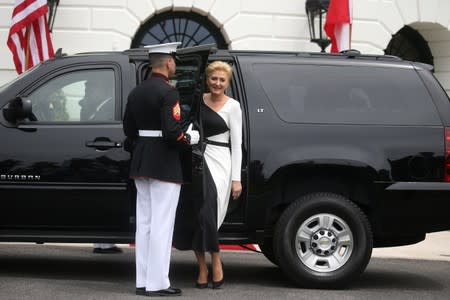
pixel 29 38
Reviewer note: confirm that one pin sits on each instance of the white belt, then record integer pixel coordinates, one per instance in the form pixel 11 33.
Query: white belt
pixel 150 133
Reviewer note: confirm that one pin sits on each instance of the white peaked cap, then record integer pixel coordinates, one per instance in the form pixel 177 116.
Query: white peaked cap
pixel 167 48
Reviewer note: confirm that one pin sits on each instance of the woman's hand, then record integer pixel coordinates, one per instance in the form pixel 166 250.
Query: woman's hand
pixel 236 189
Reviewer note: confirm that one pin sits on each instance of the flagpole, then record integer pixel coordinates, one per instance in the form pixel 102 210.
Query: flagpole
pixel 350 37
pixel 350 8
pixel 27 47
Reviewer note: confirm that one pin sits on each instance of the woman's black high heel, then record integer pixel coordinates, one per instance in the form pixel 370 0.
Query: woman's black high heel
pixel 218 284
pixel 201 285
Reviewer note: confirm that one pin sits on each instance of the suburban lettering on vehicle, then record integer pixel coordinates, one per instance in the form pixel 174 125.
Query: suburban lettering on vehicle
pixel 6 177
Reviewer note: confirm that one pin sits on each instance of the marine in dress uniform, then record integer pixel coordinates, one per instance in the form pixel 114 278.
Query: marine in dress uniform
pixel 153 123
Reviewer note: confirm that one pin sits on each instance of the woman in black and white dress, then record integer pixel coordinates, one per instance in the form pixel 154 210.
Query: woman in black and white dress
pixel 221 119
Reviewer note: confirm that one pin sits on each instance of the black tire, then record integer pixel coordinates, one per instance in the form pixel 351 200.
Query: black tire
pixel 267 249
pixel 335 236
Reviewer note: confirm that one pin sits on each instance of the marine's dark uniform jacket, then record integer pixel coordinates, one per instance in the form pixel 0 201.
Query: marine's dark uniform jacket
pixel 155 105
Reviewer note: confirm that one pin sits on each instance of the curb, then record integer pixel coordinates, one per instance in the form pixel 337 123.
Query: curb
pixel 436 246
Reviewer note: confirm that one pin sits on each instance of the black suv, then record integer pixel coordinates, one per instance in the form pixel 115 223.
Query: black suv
pixel 341 153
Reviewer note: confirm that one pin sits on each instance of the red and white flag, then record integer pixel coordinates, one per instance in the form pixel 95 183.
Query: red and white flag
pixel 29 38
pixel 338 24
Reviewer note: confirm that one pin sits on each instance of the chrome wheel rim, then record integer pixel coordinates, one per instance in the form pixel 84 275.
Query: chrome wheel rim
pixel 324 243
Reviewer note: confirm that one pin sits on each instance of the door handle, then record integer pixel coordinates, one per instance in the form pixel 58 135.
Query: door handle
pixel 103 144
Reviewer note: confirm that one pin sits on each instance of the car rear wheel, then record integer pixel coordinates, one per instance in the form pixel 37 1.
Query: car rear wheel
pixel 322 240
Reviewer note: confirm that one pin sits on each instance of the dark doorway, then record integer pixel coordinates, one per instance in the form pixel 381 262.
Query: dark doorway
pixel 409 44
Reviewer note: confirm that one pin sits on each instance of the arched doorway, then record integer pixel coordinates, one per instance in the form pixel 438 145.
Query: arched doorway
pixel 409 44
pixel 190 29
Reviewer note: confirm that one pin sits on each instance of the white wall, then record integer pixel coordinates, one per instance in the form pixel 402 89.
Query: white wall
pixel 86 25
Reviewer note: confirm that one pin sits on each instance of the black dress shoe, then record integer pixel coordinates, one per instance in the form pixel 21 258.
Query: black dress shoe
pixel 111 250
pixel 201 285
pixel 140 291
pixel 171 291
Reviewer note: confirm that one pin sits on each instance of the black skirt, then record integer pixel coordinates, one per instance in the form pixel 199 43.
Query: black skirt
pixel 196 218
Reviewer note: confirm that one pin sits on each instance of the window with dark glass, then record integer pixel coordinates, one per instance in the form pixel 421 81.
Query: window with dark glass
pixel 86 96
pixel 346 94
pixel 190 29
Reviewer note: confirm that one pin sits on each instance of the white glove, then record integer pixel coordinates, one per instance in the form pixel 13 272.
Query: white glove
pixel 194 135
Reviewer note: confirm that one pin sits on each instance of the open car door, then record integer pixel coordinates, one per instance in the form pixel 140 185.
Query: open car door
pixel 190 82
pixel 189 78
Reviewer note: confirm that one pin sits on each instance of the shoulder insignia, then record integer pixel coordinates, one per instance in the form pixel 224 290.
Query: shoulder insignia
pixel 176 111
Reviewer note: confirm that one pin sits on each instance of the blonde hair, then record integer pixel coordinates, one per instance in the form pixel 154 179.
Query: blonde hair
pixel 219 66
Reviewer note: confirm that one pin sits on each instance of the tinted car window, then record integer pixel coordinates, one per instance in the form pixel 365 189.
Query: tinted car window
pixel 185 80
pixel 86 96
pixel 347 94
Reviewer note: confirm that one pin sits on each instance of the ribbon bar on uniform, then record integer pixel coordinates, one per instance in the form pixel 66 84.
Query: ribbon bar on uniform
pixel 150 133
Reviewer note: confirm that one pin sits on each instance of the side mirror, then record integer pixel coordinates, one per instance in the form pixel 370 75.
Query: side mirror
pixel 18 109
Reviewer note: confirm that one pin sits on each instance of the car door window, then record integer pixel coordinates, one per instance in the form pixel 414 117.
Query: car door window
pixel 86 96
pixel 185 80
pixel 347 94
